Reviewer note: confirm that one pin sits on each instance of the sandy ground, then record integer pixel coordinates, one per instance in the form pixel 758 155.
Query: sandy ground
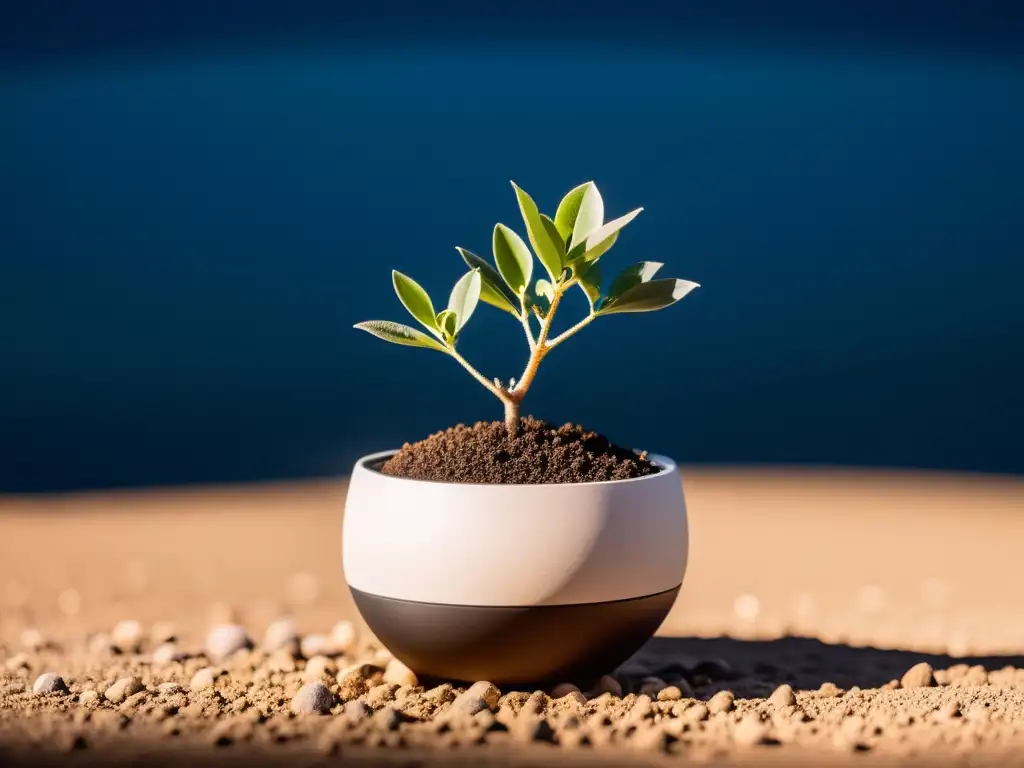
pixel 833 583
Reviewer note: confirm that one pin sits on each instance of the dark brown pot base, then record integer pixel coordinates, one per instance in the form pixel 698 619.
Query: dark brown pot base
pixel 537 646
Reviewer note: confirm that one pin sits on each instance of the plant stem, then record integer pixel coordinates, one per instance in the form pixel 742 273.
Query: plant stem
pixel 512 417
pixel 539 349
pixel 525 317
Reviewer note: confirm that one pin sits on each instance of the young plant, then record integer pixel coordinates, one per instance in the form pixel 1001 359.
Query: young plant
pixel 569 247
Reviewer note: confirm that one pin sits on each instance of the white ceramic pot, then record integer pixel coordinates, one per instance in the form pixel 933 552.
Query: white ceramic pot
pixel 514 583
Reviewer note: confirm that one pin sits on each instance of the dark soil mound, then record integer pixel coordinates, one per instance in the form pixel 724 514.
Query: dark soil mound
pixel 540 453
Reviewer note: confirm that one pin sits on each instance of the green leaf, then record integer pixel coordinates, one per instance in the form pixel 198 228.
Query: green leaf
pixel 589 217
pixel 397 333
pixel 547 247
pixel 493 290
pixel 633 276
pixel 568 210
pixel 600 236
pixel 415 299
pixel 647 297
pixel 464 298
pixel 555 235
pixel 515 263
pixel 590 280
pixel 543 288
pixel 447 321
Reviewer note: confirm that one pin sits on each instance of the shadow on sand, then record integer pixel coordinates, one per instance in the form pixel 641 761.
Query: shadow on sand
pixel 756 667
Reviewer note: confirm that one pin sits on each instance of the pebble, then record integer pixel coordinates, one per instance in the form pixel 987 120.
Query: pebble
pixel 783 696
pixel 671 693
pixel 163 632
pixel 918 676
pixel 356 711
pixel 313 699
pixel 47 683
pixel 315 645
pixel 203 679
pixel 168 688
pixel 226 639
pixel 750 731
pixel 530 728
pixel 396 672
pixel 281 635
pixel 478 697
pixel 695 714
pixel 319 666
pixel 388 719
pixel 651 686
pixel 608 684
pixel 32 639
pixel 88 697
pixel 829 690
pixel 127 636
pixel 564 689
pixel 344 636
pixel 168 653
pixel 123 688
pixel 723 701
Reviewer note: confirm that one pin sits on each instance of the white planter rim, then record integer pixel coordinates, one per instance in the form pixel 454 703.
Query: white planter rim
pixel 663 463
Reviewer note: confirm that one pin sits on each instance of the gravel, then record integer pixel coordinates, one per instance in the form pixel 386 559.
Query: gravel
pixel 918 676
pixel 123 688
pixel 225 640
pixel 48 683
pixel 313 698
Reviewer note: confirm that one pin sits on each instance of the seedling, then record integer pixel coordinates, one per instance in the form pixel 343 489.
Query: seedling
pixel 569 248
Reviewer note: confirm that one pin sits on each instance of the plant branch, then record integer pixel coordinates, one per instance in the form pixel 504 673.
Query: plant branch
pixel 566 334
pixel 494 389
pixel 539 349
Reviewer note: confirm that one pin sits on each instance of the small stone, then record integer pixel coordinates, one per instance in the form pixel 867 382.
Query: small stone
pixel 530 728
pixel 479 696
pixel 356 711
pixel 17 661
pixel 535 705
pixel 168 653
pixel 651 738
pixel 224 640
pixel 695 714
pixel 315 645
pixel 168 689
pixel 396 672
pixel 127 636
pixel 163 632
pixel 318 666
pixel 388 719
pixel 344 637
pixel 783 696
pixel 671 693
pixel 123 688
pixel 281 635
pixel 975 675
pixel 204 678
pixel 564 689
pixel 918 676
pixel 48 683
pixel 608 684
pixel 32 639
pixel 723 701
pixel 352 686
pixel 750 731
pixel 313 699
pixel 441 694
pixel 88 697
pixel 651 686
pixel 829 690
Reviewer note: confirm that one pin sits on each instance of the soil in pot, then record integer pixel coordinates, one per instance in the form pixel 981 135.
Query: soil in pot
pixel 539 453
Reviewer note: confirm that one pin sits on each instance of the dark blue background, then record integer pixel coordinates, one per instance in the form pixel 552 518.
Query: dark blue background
pixel 198 201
